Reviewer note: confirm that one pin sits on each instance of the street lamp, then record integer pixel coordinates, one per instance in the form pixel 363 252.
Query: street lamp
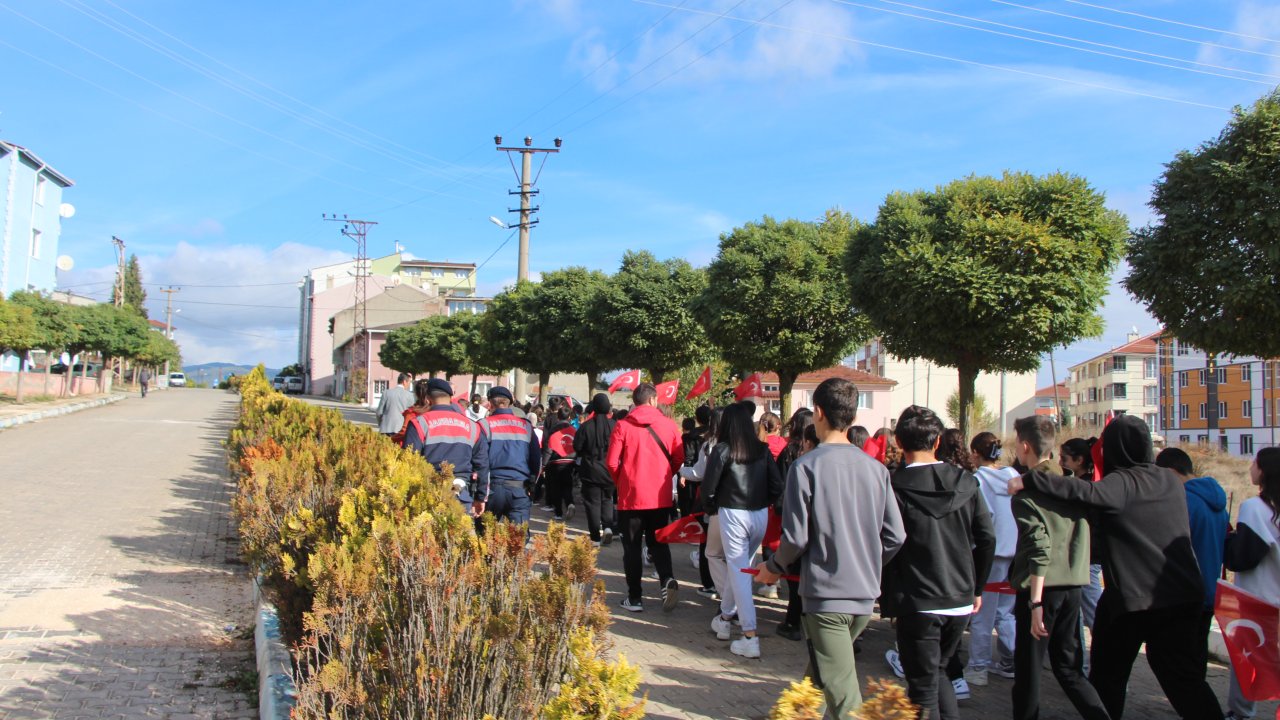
pixel 497 222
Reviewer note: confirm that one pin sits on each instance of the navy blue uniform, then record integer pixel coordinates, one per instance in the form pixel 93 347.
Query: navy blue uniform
pixel 443 435
pixel 514 462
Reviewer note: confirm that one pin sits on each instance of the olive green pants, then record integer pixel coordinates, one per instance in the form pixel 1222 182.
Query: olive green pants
pixel 831 666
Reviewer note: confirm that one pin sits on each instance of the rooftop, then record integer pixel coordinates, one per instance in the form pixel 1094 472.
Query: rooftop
pixel 858 377
pixel 1145 345
pixel 14 147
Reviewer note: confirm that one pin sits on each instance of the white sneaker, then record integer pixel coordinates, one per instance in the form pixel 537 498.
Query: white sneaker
pixel 722 628
pixel 976 676
pixel 962 688
pixel 895 663
pixel 694 558
pixel 648 559
pixel 748 647
pixel 768 592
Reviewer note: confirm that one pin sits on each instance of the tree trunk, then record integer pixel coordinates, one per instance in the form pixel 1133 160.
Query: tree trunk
pixel 592 375
pixel 968 378
pixel 785 382
pixel 48 370
pixel 1057 404
pixel 657 375
pixel 22 368
pixel 544 378
pixel 473 385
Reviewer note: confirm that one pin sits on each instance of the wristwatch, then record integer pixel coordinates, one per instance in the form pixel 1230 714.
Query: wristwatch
pixel 1037 604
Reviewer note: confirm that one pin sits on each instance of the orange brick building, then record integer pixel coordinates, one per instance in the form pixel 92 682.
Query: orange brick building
pixel 1238 413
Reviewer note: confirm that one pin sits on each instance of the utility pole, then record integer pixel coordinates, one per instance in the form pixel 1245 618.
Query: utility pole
pixel 168 323
pixel 358 230
pixel 119 294
pixel 526 192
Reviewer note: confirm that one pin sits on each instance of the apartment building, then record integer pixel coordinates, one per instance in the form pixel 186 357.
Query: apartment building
pixel 1230 402
pixel 1122 380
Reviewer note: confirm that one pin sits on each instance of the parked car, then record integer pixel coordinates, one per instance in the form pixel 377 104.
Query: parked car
pixel 78 368
pixel 177 379
pixel 293 385
pixel 277 383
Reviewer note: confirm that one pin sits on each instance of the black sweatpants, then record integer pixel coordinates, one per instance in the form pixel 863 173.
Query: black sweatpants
pixel 926 644
pixel 1172 652
pixel 1066 656
pixel 597 500
pixel 639 527
pixel 559 479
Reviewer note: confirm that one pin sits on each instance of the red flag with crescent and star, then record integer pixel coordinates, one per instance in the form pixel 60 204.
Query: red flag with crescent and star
pixel 687 530
pixel 626 381
pixel 702 385
pixel 749 387
pixel 668 392
pixel 1251 630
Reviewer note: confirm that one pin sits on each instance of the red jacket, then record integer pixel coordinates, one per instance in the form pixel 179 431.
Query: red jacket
pixel 640 468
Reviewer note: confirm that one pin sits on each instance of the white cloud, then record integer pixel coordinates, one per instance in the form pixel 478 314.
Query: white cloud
pixel 1256 19
pixel 252 317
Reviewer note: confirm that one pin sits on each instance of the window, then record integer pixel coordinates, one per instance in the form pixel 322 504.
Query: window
pixel 413 272
pixel 771 388
pixel 1222 442
pixel 775 406
pixel 1150 420
pixel 1182 348
pixel 1246 444
pixel 1204 414
pixel 1093 394
pixel 41 183
pixel 1120 391
pixel 864 400
pixel 1200 374
pixel 1184 379
pixel 1150 395
pixel 1221 374
pixel 1246 373
pixel 1119 363
pixel 35 244
pixel 437 272
pixel 460 273
pixel 1184 439
pixel 1222 410
pixel 1246 409
pixel 381 386
pixel 1149 369
pixel 1184 412
pixel 1106 393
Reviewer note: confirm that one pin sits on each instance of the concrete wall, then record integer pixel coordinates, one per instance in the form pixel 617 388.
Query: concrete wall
pixel 35 383
pixel 21 212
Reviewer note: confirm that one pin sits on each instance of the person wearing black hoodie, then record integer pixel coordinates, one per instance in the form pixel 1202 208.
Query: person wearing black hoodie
pixel 935 581
pixel 591 445
pixel 1153 590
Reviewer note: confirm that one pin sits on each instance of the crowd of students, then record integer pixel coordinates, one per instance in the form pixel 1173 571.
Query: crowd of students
pixel 940 535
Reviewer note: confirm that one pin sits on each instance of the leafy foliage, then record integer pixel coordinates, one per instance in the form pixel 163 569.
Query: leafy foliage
pixel 111 331
pixel 986 273
pixel 18 330
pixel 980 416
pixel 55 326
pixel 800 701
pixel 507 326
pixel 644 317
pixel 135 296
pixel 776 298
pixel 1207 267
pixel 158 351
pixel 395 607
pixel 565 299
pixel 432 345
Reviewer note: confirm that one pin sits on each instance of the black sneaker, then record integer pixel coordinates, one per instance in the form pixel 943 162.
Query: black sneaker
pixel 569 512
pixel 790 632
pixel 607 538
pixel 708 592
pixel 669 598
pixel 632 605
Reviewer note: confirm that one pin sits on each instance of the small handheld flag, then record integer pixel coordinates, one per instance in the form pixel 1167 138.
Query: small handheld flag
pixel 628 380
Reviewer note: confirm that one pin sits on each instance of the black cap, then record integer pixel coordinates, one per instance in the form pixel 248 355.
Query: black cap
pixel 500 392
pixel 439 385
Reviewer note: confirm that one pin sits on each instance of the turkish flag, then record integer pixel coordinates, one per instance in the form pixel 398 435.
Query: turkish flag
pixel 1095 452
pixel 1251 628
pixel 686 530
pixel 668 392
pixel 626 381
pixel 877 447
pixel 702 385
pixel 750 387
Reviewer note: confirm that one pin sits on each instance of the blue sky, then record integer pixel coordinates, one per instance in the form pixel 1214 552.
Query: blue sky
pixel 212 136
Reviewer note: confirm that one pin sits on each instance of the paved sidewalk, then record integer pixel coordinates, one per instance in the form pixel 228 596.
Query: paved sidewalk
pixel 121 594
pixel 13 414
pixel 689 674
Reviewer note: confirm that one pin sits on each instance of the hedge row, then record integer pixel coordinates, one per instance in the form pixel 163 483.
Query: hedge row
pixel 394 606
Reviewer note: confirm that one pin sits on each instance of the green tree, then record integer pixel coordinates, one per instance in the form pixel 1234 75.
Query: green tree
pixel 135 296
pixel 565 301
pixel 723 381
pixel 507 327
pixel 113 332
pixel 1206 267
pixel 19 333
pixel 432 345
pixel 980 417
pixel 295 370
pixel 477 358
pixel 157 351
pixel 986 273
pixel 55 328
pixel 776 298
pixel 644 316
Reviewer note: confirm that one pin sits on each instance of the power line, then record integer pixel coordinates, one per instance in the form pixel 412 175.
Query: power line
pixel 963 61
pixel 1064 37
pixel 1171 22
pixel 1133 29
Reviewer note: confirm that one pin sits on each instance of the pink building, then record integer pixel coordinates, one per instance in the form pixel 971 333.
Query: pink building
pixel 873 394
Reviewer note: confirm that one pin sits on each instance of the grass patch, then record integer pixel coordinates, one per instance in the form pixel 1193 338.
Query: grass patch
pixel 245 682
pixel 27 400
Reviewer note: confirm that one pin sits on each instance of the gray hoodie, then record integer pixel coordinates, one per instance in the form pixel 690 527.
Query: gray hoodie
pixel 841 522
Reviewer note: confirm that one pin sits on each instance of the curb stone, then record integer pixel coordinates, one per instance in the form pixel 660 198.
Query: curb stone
pixel 60 410
pixel 276 692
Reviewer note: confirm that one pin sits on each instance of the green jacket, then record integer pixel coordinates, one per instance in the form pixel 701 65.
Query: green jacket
pixel 1053 537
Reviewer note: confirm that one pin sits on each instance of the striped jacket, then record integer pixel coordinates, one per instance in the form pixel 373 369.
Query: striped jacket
pixel 444 435
pixel 514 453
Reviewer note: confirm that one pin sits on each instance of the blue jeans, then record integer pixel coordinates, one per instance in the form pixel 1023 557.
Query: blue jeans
pixel 997 614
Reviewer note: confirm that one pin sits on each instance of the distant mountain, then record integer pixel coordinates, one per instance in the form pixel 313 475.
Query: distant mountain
pixel 213 371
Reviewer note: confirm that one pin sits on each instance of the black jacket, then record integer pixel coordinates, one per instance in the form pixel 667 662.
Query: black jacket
pixel 1140 512
pixel 950 545
pixel 591 445
pixel 751 485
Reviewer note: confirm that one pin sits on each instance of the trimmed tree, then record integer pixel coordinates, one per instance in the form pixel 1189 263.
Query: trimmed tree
pixel 986 274
pixel 476 358
pixel 432 345
pixel 644 317
pixel 505 331
pixel 18 333
pixel 55 328
pixel 566 300
pixel 776 298
pixel 113 332
pixel 1207 266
